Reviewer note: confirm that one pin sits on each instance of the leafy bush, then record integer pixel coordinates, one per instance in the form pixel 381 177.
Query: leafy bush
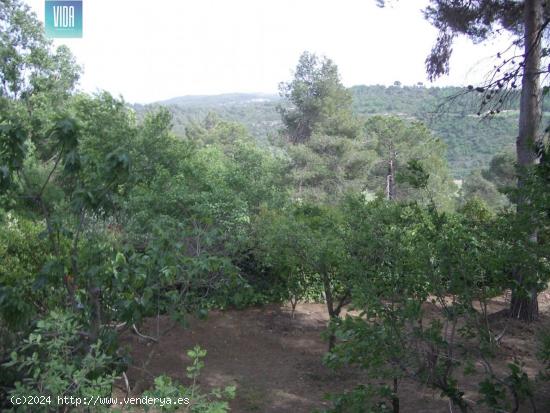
pixel 23 253
pixel 363 399
pixel 55 361
pixel 423 281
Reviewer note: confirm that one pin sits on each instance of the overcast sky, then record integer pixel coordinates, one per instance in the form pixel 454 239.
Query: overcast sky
pixel 153 50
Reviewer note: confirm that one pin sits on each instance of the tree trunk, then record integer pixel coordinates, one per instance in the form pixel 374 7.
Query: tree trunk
pixel 330 309
pixel 395 397
pixel 525 307
pixel 530 104
pixel 331 342
pixel 390 178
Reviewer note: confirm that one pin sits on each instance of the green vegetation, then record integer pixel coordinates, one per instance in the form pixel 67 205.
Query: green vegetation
pixel 471 140
pixel 110 218
pixel 166 389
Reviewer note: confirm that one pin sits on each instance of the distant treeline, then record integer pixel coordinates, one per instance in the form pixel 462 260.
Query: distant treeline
pixel 471 140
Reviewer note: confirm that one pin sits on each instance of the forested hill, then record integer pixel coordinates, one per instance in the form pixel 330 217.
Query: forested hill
pixel 258 112
pixel 471 141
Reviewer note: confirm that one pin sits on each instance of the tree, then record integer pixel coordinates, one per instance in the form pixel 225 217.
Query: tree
pixel 494 185
pixel 326 157
pixel 410 162
pixel 325 168
pixel 479 20
pixel 35 84
pixel 28 65
pixel 475 186
pixel 319 101
pixel 502 171
pixel 328 257
pixel 283 244
pixel 306 244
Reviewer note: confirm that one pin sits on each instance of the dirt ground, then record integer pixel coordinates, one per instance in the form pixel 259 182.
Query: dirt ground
pixel 276 362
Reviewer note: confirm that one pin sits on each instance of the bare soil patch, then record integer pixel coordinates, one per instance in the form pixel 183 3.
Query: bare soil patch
pixel 276 362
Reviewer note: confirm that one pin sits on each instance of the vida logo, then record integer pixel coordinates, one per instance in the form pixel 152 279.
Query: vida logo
pixel 63 18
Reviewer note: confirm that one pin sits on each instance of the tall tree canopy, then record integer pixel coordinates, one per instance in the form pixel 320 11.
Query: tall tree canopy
pixel 410 162
pixel 319 101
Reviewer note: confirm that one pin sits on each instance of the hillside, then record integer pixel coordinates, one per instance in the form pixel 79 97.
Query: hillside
pixel 229 99
pixel 258 112
pixel 471 140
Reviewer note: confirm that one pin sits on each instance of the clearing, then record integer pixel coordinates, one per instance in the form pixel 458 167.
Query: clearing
pixel 276 362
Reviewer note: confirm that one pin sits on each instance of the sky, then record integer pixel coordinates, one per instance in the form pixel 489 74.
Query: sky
pixel 148 50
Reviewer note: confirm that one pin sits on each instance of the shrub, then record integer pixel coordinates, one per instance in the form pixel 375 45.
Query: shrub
pixel 55 361
pixel 194 400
